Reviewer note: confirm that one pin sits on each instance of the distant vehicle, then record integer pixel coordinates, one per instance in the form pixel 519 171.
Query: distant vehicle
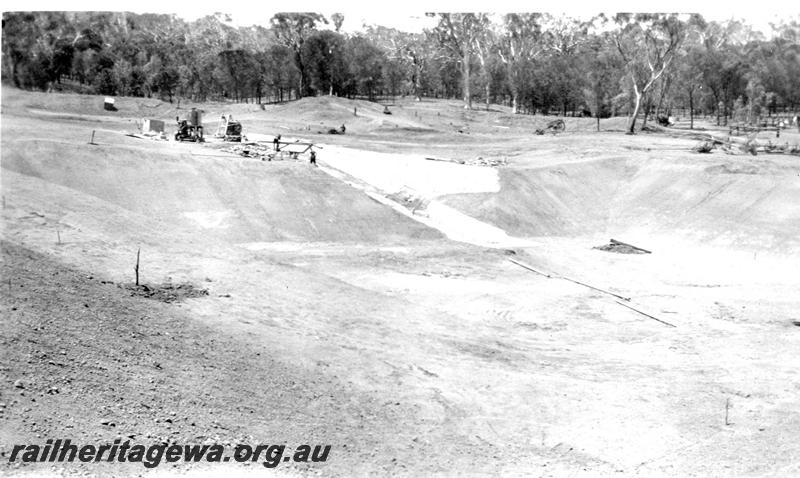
pixel 108 104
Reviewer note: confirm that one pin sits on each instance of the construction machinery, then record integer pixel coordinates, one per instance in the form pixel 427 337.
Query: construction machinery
pixel 108 104
pixel 229 130
pixel 190 129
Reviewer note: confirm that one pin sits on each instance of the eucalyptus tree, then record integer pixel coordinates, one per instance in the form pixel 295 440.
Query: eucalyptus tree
pixel 603 69
pixel 485 45
pixel 409 51
pixel 292 30
pixel 323 56
pixel 521 43
pixel 458 33
pixel 647 44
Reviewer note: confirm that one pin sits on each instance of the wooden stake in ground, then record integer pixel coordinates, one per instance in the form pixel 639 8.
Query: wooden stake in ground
pixel 92 141
pixel 727 407
pixel 136 267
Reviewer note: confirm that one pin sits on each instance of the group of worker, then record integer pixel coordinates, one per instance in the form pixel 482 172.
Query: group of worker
pixel 276 144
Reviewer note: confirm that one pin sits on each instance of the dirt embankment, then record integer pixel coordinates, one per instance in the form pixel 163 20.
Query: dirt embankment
pixel 235 199
pixel 739 203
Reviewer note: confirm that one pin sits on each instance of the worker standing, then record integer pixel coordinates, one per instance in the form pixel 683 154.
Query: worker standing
pixel 276 143
pixel 313 159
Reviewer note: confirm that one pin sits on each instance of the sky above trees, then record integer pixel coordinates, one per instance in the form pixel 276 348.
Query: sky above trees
pixel 409 15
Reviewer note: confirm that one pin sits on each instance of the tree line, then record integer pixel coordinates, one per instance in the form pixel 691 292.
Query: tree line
pixel 634 64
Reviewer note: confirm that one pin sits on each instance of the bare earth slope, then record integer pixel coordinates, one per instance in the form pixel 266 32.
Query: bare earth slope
pixel 730 202
pixel 95 364
pixel 223 195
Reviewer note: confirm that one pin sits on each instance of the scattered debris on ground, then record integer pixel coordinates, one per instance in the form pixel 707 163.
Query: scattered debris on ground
pixel 166 292
pixel 784 148
pixel 249 150
pixel 409 200
pixel 730 144
pixel 266 152
pixel 479 161
pixel 621 248
pixel 491 162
